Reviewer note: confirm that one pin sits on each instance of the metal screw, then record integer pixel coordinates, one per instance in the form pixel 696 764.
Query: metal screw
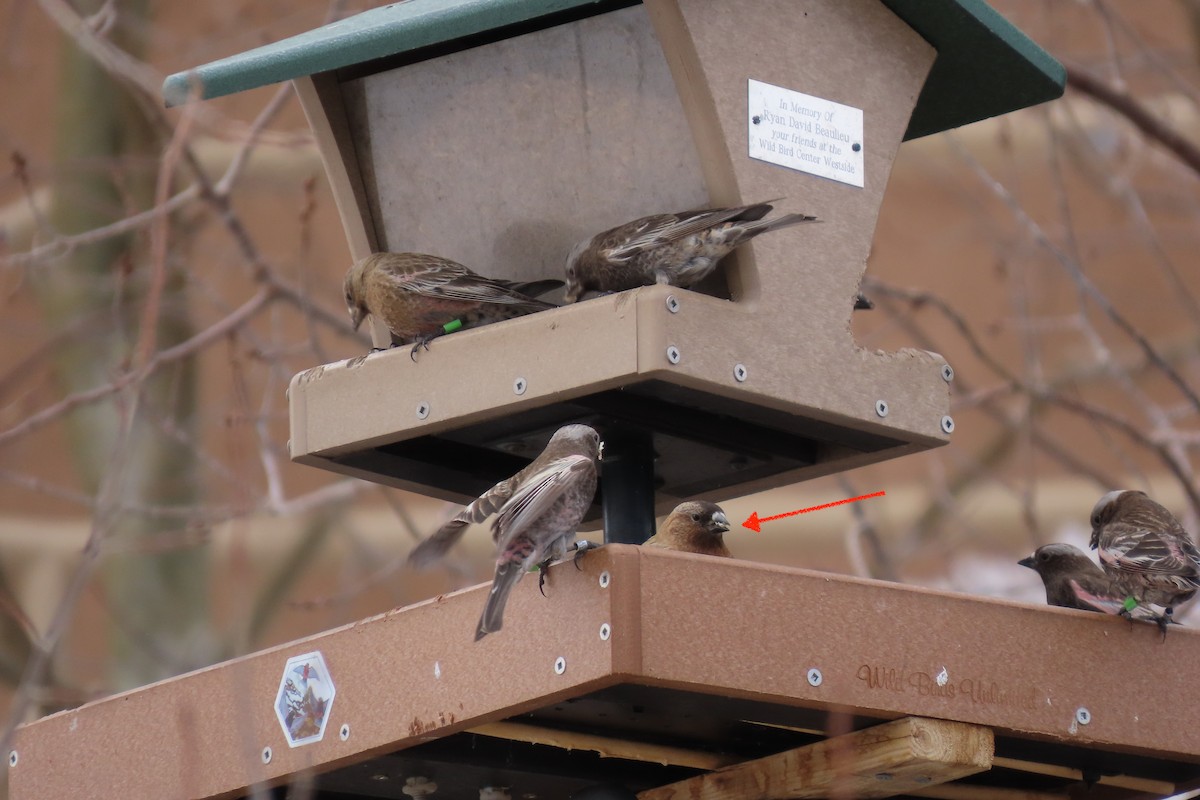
pixel 672 304
pixel 12 758
pixel 1082 715
pixel 605 632
pixel 266 755
pixel 422 410
pixel 947 373
pixel 948 424
pixel 519 386
pixel 673 354
pixel 815 677
pixel 344 733
pixel 881 408
pixel 560 665
pixel 739 372
pixel 604 579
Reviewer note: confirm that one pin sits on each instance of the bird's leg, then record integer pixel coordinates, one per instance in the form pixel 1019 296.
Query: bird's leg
pixel 1163 620
pixel 543 568
pixel 422 341
pixel 581 547
pixel 662 278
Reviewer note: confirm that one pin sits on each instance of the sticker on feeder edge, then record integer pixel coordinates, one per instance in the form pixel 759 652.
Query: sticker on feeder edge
pixel 305 699
pixel 806 133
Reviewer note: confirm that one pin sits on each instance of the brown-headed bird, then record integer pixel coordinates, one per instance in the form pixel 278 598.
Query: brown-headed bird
pixel 1145 550
pixel 419 297
pixel 696 526
pixel 1073 580
pixel 675 249
pixel 537 511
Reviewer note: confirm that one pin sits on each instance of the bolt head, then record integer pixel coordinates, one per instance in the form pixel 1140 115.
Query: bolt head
pixel 1083 716
pixel 947 373
pixel 672 304
pixel 605 632
pixel 266 755
pixel 947 424
pixel 604 579
pixel 881 408
pixel 560 665
pixel 344 733
pixel 740 373
pixel 520 385
pixel 815 678
pixel 422 410
pixel 673 354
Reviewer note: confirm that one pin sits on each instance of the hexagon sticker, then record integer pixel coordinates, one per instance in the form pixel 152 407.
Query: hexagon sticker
pixel 305 699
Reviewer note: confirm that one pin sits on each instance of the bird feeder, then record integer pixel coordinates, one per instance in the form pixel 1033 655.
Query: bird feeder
pixel 676 675
pixel 498 133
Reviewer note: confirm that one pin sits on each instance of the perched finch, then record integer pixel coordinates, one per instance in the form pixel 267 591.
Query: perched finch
pixel 1073 580
pixel 1145 550
pixel 675 249
pixel 420 297
pixel 537 511
pixel 693 527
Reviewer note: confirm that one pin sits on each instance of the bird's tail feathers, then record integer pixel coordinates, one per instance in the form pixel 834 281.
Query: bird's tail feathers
pixel 492 619
pixel 538 288
pixel 787 220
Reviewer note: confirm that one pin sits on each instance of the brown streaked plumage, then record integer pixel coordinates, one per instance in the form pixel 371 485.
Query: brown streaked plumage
pixel 1145 550
pixel 415 295
pixel 676 249
pixel 537 511
pixel 696 526
pixel 1073 580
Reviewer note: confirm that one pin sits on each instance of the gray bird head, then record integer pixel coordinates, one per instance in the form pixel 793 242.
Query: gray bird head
pixel 582 438
pixel 1050 557
pixel 574 284
pixel 352 286
pixel 706 514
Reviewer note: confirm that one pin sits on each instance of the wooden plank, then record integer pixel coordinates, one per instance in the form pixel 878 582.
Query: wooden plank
pixel 605 746
pixel 959 791
pixel 901 756
pixel 1149 785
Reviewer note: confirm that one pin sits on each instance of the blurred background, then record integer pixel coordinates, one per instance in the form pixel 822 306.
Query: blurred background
pixel 163 274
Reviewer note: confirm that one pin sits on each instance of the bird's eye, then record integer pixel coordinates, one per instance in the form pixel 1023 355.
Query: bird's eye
pixel 1043 556
pixel 695 517
pixel 1096 520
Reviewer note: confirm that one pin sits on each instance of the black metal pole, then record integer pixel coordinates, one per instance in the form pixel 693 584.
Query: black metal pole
pixel 627 485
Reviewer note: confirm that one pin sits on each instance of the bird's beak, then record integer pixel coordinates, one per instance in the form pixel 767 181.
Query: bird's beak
pixel 357 315
pixel 1027 561
pixel 719 523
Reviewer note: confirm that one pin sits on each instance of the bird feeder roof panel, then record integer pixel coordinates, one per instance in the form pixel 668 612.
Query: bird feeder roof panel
pixel 985 65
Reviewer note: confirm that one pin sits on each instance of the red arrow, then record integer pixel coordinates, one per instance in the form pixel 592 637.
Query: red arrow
pixel 755 524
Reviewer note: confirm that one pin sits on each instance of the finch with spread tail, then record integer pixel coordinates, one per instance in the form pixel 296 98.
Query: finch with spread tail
pixel 696 526
pixel 673 249
pixel 537 511
pixel 419 297
pixel 1145 550
pixel 1073 580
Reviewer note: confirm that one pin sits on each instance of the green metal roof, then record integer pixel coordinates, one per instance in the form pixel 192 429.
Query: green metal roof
pixel 985 65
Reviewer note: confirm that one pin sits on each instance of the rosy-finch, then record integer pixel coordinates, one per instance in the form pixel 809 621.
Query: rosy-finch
pixel 693 527
pixel 1145 550
pixel 1073 580
pixel 675 249
pixel 419 297
pixel 537 511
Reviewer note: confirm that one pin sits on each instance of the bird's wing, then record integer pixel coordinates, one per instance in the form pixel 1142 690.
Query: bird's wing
pixel 537 494
pixel 442 278
pixel 649 232
pixel 436 546
pixel 1133 548
pixel 1096 597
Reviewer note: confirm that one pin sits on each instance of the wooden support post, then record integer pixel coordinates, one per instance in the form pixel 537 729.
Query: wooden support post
pixel 897 757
